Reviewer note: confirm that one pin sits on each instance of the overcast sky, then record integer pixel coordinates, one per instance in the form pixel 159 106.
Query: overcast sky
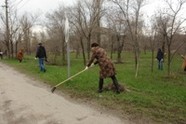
pixel 35 6
pixel 44 6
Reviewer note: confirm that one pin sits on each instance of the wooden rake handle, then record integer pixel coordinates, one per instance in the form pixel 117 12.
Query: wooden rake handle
pixel 71 77
pixel 53 89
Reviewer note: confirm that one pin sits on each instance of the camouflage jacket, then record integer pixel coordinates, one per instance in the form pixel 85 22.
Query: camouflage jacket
pixel 107 68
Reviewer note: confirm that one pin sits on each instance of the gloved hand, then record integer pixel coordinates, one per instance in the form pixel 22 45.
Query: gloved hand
pixel 161 60
pixel 46 60
pixel 92 65
pixel 35 58
pixel 86 67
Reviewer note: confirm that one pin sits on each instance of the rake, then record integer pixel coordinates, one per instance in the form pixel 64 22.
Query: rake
pixel 53 89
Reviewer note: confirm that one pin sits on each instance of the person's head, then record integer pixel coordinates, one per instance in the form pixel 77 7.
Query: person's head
pixel 40 44
pixel 94 45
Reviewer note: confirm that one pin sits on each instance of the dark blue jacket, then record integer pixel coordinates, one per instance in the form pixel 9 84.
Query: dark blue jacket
pixel 159 55
pixel 41 53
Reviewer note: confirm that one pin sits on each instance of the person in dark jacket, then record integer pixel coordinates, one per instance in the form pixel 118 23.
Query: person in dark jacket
pixel 41 55
pixel 159 57
pixel 107 68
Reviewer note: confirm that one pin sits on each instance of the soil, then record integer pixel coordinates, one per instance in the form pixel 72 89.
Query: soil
pixel 25 100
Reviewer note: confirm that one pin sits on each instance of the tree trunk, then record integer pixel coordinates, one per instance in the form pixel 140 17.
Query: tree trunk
pixel 83 50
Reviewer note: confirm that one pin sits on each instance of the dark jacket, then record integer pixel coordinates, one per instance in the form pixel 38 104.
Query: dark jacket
pixel 159 55
pixel 106 66
pixel 41 53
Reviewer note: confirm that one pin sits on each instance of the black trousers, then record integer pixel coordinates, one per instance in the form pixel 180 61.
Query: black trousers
pixel 114 80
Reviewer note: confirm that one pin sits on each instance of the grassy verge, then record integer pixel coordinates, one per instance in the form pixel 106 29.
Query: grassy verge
pixel 151 95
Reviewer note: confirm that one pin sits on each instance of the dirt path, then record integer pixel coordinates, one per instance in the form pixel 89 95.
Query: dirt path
pixel 23 101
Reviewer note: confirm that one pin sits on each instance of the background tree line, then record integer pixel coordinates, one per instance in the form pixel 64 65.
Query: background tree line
pixel 117 25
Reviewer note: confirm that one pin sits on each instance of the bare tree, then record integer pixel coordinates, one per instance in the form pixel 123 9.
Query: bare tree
pixel 153 38
pixel 13 35
pixel 5 19
pixel 169 23
pixel 55 29
pixel 27 21
pixel 99 12
pixel 76 20
pixel 85 19
pixel 131 12
pixel 118 28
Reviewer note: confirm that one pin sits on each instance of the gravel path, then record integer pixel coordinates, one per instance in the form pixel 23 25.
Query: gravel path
pixel 24 101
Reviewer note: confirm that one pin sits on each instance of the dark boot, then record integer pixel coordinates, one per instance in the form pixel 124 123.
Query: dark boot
pixel 100 90
pixel 115 82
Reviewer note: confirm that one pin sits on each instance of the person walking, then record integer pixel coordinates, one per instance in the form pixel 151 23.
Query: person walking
pixel 159 57
pixel 107 68
pixel 41 55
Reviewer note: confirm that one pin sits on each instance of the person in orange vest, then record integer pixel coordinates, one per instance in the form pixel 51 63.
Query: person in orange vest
pixel 20 55
pixel 184 62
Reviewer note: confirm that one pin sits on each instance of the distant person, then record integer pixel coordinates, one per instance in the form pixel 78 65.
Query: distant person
pixel 107 68
pixel 1 54
pixel 20 55
pixel 41 55
pixel 184 62
pixel 159 57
